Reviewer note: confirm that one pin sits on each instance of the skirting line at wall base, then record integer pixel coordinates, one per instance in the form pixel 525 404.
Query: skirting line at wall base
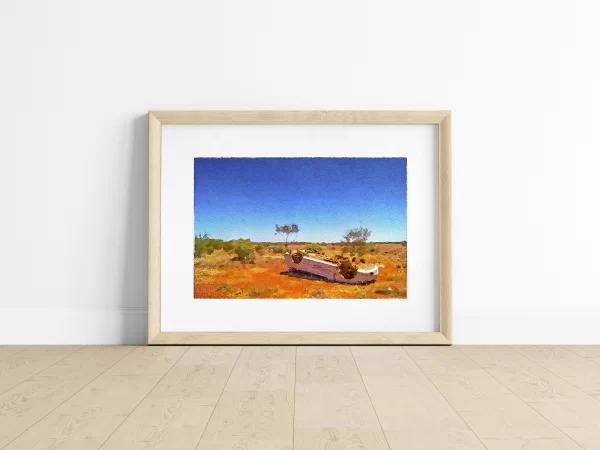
pixel 128 325
pixel 61 326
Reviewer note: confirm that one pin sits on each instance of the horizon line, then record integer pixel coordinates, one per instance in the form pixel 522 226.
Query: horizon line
pixel 304 242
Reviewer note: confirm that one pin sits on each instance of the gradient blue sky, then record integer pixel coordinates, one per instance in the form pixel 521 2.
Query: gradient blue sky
pixel 245 197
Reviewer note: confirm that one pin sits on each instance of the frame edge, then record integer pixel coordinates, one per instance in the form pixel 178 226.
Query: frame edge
pixel 154 225
pixel 300 117
pixel 445 224
pixel 299 338
pixel 155 121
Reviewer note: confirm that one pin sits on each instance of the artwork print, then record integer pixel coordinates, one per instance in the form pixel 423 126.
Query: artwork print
pixel 300 228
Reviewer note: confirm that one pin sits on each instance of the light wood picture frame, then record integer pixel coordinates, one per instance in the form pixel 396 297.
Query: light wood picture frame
pixel 442 119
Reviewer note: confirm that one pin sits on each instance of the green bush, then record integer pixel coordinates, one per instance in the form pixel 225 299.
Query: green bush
pixel 217 244
pixel 201 244
pixel 228 246
pixel 242 248
pixel 260 249
pixel 209 250
pixel 316 248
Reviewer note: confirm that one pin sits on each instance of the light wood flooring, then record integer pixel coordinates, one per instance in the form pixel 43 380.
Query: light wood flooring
pixel 313 398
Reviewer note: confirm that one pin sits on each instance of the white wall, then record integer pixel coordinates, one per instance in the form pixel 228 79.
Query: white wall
pixel 77 78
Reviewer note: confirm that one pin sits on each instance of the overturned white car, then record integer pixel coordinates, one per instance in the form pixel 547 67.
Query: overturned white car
pixel 343 271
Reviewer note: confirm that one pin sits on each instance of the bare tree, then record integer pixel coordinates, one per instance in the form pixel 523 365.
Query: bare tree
pixel 356 237
pixel 287 230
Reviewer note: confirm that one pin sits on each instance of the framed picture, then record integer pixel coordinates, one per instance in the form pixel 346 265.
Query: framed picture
pixel 299 227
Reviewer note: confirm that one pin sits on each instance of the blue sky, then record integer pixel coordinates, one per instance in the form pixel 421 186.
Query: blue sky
pixel 245 197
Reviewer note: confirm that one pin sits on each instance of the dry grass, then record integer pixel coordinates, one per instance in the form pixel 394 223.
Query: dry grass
pixel 217 276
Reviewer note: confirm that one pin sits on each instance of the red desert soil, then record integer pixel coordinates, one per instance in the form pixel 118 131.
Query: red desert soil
pixel 217 276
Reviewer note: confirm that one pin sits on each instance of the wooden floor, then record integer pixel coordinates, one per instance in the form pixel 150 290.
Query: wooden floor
pixel 330 398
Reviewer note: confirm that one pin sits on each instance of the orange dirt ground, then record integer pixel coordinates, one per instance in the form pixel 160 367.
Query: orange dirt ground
pixel 217 276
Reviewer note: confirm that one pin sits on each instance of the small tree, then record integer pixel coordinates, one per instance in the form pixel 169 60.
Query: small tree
pixel 287 230
pixel 242 248
pixel 356 238
pixel 200 244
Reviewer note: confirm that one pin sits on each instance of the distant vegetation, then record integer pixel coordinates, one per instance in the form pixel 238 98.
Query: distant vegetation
pixel 354 242
pixel 204 245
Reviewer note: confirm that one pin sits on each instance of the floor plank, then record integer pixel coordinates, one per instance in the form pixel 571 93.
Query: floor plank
pixel 498 417
pixel 570 409
pixel 19 366
pixel 176 411
pixel 590 352
pixel 407 403
pixel 255 410
pixel 25 404
pixel 90 416
pixel 8 350
pixel 329 398
pixel 571 367
pixel 333 409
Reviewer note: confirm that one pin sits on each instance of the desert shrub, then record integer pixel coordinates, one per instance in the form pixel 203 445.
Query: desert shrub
pixel 260 249
pixel 199 248
pixel 228 246
pixel 359 247
pixel 391 291
pixel 216 244
pixel 256 293
pixel 345 249
pixel 374 249
pixel 242 248
pixel 362 260
pixel 246 260
pixel 209 250
pixel 278 249
pixel 398 266
pixel 223 288
pixel 313 248
pixel 317 293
